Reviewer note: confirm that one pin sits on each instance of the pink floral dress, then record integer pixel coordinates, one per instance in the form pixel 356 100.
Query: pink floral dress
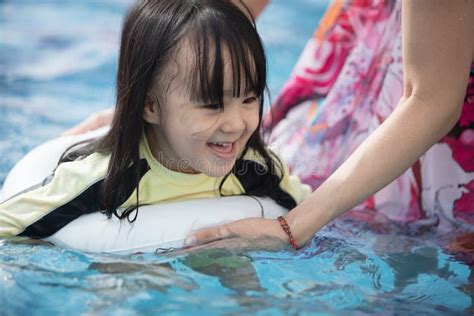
pixel 347 81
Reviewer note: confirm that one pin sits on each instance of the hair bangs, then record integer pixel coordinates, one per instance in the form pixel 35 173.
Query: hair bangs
pixel 229 60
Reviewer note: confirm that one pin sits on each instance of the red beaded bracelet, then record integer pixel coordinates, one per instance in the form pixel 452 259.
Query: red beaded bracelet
pixel 286 228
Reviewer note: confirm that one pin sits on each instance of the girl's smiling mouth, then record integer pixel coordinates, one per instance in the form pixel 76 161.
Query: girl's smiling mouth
pixel 223 150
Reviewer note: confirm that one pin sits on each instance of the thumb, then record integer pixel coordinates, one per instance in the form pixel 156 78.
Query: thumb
pixel 207 235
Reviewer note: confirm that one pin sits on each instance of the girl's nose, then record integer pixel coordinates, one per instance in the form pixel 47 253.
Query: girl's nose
pixel 233 120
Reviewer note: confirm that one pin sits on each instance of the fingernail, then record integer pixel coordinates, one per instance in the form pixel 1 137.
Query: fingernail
pixel 190 241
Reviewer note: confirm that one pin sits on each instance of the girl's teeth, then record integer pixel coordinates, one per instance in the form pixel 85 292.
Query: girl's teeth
pixel 222 144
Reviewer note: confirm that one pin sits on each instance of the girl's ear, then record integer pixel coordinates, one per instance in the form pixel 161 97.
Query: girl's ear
pixel 151 112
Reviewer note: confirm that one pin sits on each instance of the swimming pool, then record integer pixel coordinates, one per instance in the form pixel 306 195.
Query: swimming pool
pixel 57 64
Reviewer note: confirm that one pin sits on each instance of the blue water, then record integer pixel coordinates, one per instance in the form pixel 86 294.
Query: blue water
pixel 57 65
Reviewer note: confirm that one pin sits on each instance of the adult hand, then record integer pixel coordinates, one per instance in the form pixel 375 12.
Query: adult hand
pixel 94 121
pixel 247 228
pixel 234 244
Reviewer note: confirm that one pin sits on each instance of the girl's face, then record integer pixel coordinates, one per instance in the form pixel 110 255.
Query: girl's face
pixel 198 137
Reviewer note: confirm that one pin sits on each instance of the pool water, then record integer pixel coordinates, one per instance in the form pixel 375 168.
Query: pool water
pixel 57 65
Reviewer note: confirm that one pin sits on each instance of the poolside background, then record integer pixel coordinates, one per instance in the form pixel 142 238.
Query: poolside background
pixel 57 65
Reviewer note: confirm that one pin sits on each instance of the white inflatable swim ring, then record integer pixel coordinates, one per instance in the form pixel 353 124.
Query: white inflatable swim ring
pixel 157 228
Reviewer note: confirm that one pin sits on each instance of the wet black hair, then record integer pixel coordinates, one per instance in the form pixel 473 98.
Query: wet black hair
pixel 151 34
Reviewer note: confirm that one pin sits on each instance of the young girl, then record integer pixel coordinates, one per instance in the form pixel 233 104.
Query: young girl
pixel 190 86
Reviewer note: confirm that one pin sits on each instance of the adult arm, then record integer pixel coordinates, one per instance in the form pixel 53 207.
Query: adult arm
pixel 94 121
pixel 438 51
pixel 256 6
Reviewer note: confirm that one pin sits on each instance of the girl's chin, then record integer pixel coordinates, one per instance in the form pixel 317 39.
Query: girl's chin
pixel 218 172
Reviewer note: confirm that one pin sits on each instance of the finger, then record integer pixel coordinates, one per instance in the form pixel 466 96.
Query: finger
pixel 208 235
pixel 89 124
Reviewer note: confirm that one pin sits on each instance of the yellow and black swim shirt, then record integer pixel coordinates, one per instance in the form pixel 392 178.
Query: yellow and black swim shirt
pixel 74 189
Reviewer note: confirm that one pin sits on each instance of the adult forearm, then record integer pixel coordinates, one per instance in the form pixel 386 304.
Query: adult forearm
pixel 255 6
pixel 410 131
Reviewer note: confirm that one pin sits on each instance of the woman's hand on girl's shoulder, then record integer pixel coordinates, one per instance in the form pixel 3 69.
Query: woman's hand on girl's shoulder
pixel 94 121
pixel 250 228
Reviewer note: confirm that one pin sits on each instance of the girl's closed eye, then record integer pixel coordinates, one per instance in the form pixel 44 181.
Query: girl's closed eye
pixel 250 100
pixel 213 106
pixel 219 107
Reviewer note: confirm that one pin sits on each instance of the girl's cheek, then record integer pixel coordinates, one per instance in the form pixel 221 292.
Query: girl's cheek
pixel 255 121
pixel 205 123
